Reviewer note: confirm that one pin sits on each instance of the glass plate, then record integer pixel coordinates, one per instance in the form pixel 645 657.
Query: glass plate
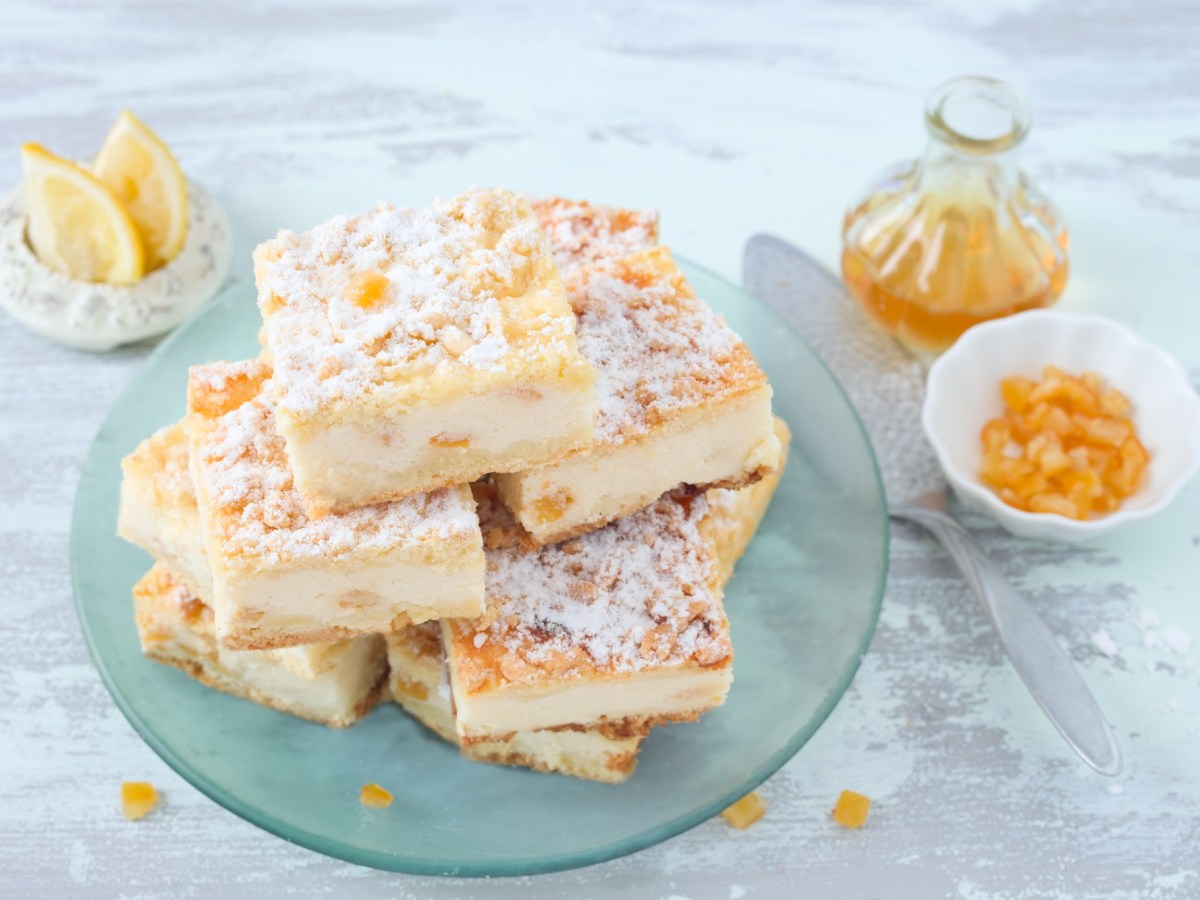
pixel 802 606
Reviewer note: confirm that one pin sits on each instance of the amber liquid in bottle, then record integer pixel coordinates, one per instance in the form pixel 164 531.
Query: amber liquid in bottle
pixel 957 237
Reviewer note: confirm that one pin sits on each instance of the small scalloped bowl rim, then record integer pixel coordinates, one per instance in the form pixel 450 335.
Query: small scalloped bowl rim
pixel 967 376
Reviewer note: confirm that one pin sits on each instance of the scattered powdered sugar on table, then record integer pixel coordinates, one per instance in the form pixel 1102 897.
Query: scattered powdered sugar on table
pixel 259 513
pixel 633 595
pixel 1103 642
pixel 456 272
pixel 657 347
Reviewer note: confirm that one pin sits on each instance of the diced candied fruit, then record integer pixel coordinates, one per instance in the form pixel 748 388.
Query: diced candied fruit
pixel 851 810
pixel 1016 390
pixel 1114 403
pixel 1064 445
pixel 137 798
pixel 444 440
pixel 746 811
pixel 374 796
pixel 550 509
pixel 367 288
pixel 408 688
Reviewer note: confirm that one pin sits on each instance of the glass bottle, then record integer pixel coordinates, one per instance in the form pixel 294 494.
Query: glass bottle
pixel 959 235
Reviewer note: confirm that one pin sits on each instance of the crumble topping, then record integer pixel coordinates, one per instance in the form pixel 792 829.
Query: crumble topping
pixel 582 233
pixel 257 511
pixel 658 348
pixel 640 593
pixel 466 283
pixel 164 458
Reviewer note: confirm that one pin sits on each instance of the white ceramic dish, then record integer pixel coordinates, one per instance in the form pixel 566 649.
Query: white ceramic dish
pixel 100 317
pixel 963 392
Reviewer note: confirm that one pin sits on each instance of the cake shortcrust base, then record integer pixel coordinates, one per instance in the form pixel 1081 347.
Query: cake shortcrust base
pixel 417 682
pixel 334 685
pixel 339 466
pixel 731 446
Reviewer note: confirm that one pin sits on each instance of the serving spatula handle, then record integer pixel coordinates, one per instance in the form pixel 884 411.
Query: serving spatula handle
pixel 1043 665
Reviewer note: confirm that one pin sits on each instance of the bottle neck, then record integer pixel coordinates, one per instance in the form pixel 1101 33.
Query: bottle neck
pixel 944 167
pixel 975 125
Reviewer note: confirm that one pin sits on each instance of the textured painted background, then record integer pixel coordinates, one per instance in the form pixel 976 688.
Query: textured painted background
pixel 732 119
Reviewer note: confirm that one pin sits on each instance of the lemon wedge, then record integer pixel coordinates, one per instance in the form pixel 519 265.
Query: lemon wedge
pixel 76 225
pixel 140 170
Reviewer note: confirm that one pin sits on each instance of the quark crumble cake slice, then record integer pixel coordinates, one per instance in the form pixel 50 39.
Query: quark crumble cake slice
pixel 419 349
pixel 158 507
pixel 335 684
pixel 282 578
pixel 682 400
pixel 418 683
pixel 621 627
pixel 582 233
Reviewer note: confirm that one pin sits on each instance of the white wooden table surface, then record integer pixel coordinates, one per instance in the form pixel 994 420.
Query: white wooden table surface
pixel 732 118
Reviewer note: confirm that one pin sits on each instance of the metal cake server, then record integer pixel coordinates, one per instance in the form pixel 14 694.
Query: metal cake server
pixel 887 386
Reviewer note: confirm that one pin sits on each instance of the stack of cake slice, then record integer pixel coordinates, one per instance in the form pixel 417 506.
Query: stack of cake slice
pixel 498 449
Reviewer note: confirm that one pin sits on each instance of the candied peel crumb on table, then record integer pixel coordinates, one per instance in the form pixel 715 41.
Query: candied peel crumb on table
pixel 746 811
pixel 851 809
pixel 138 798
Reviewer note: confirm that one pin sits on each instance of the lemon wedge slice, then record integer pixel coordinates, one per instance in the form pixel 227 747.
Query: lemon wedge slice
pixel 76 225
pixel 140 170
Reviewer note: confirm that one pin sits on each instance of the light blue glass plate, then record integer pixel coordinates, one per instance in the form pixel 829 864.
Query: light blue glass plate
pixel 802 606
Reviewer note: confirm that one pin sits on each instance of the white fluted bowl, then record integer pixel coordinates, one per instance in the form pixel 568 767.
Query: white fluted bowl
pixel 963 393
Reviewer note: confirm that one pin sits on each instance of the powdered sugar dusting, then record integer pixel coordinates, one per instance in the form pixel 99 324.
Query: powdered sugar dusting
pixel 658 348
pixel 455 274
pixel 582 233
pixel 258 512
pixel 640 593
pixel 164 454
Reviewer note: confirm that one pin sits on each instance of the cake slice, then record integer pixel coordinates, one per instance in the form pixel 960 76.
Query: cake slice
pixel 419 679
pixel 418 683
pixel 331 683
pixel 419 349
pixel 281 578
pixel 682 401
pixel 158 507
pixel 582 233
pixel 335 684
pixel 622 627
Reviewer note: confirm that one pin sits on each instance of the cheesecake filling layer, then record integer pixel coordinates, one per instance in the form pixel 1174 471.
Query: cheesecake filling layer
pixel 729 447
pixel 349 464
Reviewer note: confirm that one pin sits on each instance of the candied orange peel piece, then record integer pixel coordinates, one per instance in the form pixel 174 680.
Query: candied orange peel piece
pixel 374 796
pixel 368 288
pixel 1064 445
pixel 746 811
pixel 137 799
pixel 851 810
